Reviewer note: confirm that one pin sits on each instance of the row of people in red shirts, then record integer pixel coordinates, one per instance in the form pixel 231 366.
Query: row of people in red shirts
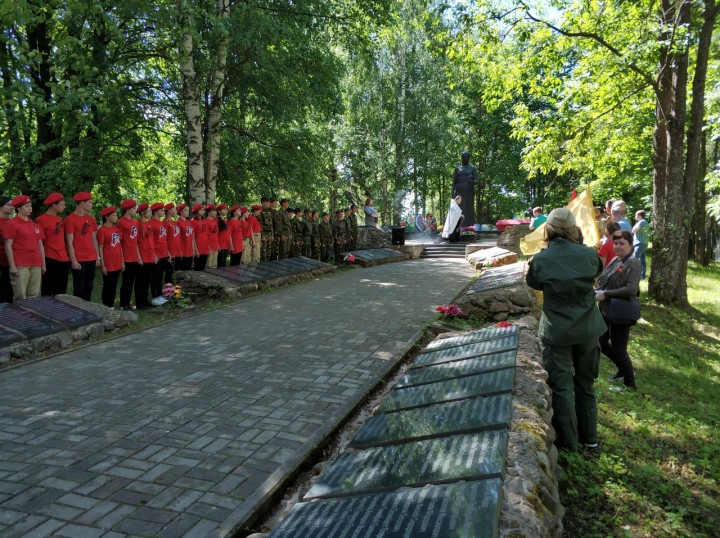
pixel 38 255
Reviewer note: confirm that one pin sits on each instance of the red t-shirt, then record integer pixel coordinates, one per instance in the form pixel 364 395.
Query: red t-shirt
pixel 26 236
pixel 235 227
pixel 146 244
pixel 54 243
pixel 201 236
pixel 129 233
pixel 174 238
pixel 247 230
pixel 3 257
pixel 160 238
pixel 213 230
pixel 608 251
pixel 83 228
pixel 255 226
pixel 108 238
pixel 223 237
pixel 187 232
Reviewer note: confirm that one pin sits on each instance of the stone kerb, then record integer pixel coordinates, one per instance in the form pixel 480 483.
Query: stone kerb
pixel 413 251
pixel 494 256
pixel 498 294
pixel 372 237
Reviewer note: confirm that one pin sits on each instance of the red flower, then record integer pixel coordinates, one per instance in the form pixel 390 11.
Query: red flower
pixel 503 324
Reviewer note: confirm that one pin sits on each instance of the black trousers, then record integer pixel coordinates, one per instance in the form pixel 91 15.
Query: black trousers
pixel 55 279
pixel 142 284
pixel 170 269
pixel 156 280
pixel 200 262
pixel 614 344
pixel 84 280
pixel 235 259
pixel 128 283
pixel 109 290
pixel 185 263
pixel 222 258
pixel 6 291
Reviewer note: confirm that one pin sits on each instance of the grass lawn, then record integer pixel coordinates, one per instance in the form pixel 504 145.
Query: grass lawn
pixel 657 470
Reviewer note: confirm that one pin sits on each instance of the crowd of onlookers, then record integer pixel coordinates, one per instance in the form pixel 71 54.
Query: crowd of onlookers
pixel 146 243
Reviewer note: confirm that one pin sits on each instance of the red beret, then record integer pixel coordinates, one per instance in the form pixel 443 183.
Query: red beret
pixel 257 207
pixel 107 210
pixel 243 210
pixel 82 197
pixel 210 207
pixel 127 204
pixel 53 198
pixel 234 208
pixel 169 206
pixel 221 206
pixel 142 207
pixel 181 207
pixel 196 208
pixel 157 205
pixel 20 201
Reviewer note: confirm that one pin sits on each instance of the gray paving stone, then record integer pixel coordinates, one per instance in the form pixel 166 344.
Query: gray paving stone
pixel 104 419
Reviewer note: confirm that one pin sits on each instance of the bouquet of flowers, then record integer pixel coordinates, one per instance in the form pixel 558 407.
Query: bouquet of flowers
pixel 349 258
pixel 176 297
pixel 492 262
pixel 448 311
pixel 503 324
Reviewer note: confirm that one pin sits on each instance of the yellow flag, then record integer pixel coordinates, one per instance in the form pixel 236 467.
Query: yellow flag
pixel 583 211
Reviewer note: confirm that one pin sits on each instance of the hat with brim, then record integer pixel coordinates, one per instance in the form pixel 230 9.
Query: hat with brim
pixel 53 198
pixel 82 197
pixel 20 201
pixel 561 218
pixel 257 207
pixel 243 209
pixel 107 210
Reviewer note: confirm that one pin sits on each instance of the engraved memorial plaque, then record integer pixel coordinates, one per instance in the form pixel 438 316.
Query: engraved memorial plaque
pixel 26 322
pixel 8 337
pixel 68 315
pixel 499 277
pixel 459 510
pixel 455 369
pixel 466 351
pixel 489 333
pixel 464 416
pixel 487 384
pixel 457 457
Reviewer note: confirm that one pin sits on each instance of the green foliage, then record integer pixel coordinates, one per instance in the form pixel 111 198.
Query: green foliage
pixel 654 475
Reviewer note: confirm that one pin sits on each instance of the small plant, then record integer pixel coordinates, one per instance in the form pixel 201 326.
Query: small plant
pixel 176 297
pixel 448 311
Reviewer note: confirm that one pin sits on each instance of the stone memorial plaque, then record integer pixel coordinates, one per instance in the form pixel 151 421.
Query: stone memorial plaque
pixel 464 416
pixel 231 274
pixel 8 337
pixel 26 322
pixel 376 254
pixel 487 384
pixel 68 315
pixel 466 351
pixel 458 457
pixel 459 510
pixel 455 369
pixel 489 333
pixel 499 277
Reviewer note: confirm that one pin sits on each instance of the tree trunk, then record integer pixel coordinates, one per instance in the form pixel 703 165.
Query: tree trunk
pixel 15 174
pixel 214 117
pixel 673 200
pixel 192 109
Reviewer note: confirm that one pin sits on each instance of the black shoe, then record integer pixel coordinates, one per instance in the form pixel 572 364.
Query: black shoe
pixel 618 375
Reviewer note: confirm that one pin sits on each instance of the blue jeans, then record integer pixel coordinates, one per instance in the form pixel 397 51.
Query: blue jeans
pixel 639 253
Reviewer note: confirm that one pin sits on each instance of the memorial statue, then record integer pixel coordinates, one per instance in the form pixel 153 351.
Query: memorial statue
pixel 464 181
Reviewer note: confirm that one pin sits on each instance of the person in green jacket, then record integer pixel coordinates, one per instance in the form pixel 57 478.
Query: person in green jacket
pixel 569 328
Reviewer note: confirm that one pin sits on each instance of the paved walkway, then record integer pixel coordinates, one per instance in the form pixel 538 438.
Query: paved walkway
pixel 187 428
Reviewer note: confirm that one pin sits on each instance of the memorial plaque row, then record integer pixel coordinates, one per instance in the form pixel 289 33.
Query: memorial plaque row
pixel 455 369
pixel 464 416
pixel 376 254
pixel 487 384
pixel 499 277
pixel 489 333
pixel 457 457
pixel 459 510
pixel 466 351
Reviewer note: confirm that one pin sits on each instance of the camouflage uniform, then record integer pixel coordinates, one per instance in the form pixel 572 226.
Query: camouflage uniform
pixel 324 239
pixel 306 231
pixel 285 235
pixel 348 232
pixel 338 228
pixel 352 240
pixel 298 234
pixel 277 215
pixel 266 237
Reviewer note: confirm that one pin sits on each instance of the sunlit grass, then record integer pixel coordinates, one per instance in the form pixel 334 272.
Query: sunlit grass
pixel 656 473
